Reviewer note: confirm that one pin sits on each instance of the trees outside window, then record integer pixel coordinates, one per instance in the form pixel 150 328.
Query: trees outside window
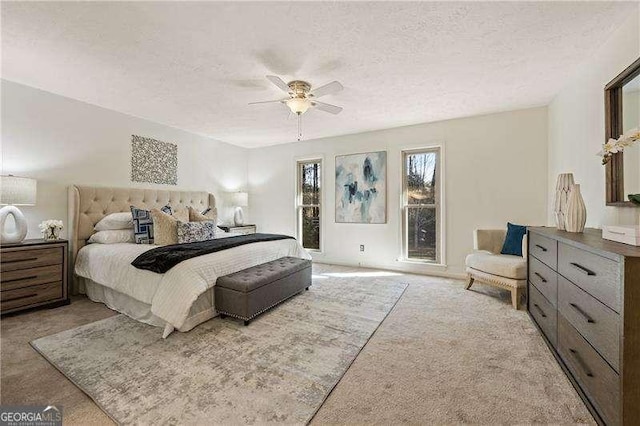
pixel 308 203
pixel 421 205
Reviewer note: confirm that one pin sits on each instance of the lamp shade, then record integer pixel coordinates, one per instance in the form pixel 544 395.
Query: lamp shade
pixel 17 191
pixel 240 199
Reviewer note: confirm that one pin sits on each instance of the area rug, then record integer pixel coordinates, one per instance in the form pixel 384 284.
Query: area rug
pixel 280 368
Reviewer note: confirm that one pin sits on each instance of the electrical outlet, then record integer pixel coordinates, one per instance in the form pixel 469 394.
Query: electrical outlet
pixel 362 247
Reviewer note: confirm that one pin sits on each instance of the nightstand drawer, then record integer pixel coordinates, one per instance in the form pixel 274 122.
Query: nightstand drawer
pixel 242 231
pixel 238 229
pixel 20 278
pixel 11 299
pixel 24 259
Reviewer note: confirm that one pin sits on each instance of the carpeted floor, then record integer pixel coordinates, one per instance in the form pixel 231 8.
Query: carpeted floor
pixel 279 369
pixel 443 355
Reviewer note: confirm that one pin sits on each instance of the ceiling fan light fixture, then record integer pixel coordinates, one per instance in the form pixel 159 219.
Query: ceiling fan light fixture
pixel 298 105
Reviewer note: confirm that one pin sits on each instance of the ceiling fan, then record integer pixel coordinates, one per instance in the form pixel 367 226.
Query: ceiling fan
pixel 302 97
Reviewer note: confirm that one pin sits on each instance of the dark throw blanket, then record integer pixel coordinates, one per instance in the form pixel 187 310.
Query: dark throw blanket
pixel 161 259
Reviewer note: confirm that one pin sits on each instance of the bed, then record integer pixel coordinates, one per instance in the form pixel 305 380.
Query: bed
pixel 179 299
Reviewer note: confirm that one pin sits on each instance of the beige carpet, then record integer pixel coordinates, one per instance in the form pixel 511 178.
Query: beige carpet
pixel 443 355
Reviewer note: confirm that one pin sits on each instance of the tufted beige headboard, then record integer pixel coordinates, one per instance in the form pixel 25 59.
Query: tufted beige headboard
pixel 89 204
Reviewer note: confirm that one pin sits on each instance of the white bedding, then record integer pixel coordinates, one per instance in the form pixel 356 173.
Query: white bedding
pixel 172 294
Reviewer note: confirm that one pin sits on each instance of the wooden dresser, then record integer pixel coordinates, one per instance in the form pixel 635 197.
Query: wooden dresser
pixel 584 296
pixel 33 274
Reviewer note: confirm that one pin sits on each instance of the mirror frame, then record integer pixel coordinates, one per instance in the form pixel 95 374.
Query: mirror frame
pixel 614 169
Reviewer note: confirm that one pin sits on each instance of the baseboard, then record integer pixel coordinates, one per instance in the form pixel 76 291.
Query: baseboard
pixel 399 267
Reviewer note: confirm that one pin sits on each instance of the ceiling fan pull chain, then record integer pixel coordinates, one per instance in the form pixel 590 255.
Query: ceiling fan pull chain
pixel 299 127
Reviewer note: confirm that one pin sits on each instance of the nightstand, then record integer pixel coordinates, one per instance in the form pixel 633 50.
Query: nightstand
pixel 33 274
pixel 240 230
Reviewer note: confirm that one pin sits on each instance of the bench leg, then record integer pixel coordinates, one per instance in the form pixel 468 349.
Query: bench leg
pixel 246 323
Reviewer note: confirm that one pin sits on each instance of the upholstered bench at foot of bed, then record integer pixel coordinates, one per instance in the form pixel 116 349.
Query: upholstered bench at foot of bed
pixel 248 293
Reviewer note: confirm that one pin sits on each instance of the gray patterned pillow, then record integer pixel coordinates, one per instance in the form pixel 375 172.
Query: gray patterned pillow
pixel 143 224
pixel 190 232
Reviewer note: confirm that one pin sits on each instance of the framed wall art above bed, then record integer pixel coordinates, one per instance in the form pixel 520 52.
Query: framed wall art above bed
pixel 153 161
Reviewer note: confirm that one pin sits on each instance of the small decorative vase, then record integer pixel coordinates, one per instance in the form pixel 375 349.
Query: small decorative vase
pixel 51 234
pixel 563 187
pixel 576 214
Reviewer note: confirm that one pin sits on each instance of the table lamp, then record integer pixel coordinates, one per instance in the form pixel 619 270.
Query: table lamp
pixel 240 200
pixel 15 191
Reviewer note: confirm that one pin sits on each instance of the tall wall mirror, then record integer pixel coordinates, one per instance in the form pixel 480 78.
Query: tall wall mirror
pixel 622 113
pixel 631 120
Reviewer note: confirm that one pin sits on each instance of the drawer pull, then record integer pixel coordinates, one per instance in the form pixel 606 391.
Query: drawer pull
pixel 541 248
pixel 20 260
pixel 581 312
pixel 579 360
pixel 582 269
pixel 19 297
pixel 20 279
pixel 540 276
pixel 540 310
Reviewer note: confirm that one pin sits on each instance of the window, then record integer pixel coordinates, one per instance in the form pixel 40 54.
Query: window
pixel 421 205
pixel 308 199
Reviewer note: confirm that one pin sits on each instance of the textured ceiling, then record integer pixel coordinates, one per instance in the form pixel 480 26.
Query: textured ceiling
pixel 196 65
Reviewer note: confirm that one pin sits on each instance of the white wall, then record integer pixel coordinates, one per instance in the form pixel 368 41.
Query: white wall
pixel 495 171
pixel 61 141
pixel 576 126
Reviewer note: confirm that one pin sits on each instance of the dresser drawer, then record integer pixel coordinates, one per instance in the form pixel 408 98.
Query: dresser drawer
pixel 10 299
pixel 544 279
pixel 598 324
pixel 27 277
pixel 598 276
pixel 544 249
pixel 597 379
pixel 24 259
pixel 544 313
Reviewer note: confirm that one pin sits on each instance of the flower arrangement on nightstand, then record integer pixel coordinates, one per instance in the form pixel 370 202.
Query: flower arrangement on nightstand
pixel 51 229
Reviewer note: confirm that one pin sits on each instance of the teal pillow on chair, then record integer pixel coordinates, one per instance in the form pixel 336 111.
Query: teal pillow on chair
pixel 513 242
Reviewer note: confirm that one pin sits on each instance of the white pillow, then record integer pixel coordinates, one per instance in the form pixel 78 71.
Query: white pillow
pixel 115 221
pixel 113 236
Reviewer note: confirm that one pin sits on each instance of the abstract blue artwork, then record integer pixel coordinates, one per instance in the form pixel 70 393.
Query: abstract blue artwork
pixel 361 188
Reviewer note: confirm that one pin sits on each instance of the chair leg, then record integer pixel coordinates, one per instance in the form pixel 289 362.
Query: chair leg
pixel 468 286
pixel 516 294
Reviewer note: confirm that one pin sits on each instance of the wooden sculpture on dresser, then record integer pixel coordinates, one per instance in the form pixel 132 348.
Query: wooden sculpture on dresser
pixel 563 187
pixel 576 214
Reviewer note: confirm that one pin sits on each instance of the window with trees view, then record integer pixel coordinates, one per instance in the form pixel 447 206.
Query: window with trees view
pixel 421 205
pixel 308 198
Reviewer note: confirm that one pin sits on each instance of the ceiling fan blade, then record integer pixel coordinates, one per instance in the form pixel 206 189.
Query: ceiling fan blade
pixel 327 89
pixel 268 102
pixel 326 107
pixel 278 82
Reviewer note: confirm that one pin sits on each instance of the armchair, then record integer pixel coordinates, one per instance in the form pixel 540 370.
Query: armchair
pixel 488 266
